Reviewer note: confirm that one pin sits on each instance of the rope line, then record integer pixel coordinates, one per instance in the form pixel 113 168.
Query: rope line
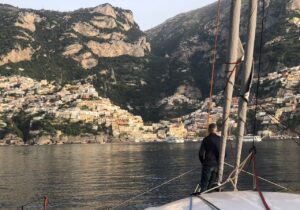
pixel 151 189
pixel 259 66
pixel 261 178
pixel 213 64
pixel 230 176
pixel 191 203
pixel 229 179
pixel 256 109
pixel 231 73
pixel 227 82
pixel 34 201
pixel 262 197
pixel 230 145
pixel 231 150
pixel 210 204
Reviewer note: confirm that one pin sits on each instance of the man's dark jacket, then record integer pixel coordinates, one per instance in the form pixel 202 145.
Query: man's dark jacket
pixel 209 150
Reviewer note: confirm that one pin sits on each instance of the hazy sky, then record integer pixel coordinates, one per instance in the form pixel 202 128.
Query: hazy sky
pixel 147 13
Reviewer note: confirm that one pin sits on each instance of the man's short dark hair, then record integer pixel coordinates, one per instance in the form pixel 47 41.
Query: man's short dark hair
pixel 212 126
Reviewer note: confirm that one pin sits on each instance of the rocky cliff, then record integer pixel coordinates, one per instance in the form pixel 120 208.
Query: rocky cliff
pixel 187 41
pixel 102 43
pixel 160 73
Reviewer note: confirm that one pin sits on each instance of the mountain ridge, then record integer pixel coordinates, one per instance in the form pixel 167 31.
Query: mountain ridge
pixel 188 40
pixel 66 46
pixel 162 79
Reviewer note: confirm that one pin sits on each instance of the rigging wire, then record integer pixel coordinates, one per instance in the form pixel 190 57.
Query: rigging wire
pixel 257 187
pixel 154 188
pixel 213 64
pixel 235 68
pixel 259 177
pixel 284 126
pixel 259 68
pixel 45 199
pixel 256 109
pixel 187 172
pixel 208 203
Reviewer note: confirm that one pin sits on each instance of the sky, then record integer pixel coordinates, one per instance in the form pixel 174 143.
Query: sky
pixel 147 13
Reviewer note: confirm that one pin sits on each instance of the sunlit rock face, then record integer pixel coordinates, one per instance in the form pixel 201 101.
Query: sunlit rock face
pixel 84 35
pixel 295 21
pixel 106 10
pixel 27 21
pixel 85 29
pixel 294 5
pixel 119 48
pixel 16 55
pixel 72 49
pixel 86 60
pixel 104 22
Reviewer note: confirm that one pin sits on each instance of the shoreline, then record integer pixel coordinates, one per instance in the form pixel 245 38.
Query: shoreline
pixel 129 142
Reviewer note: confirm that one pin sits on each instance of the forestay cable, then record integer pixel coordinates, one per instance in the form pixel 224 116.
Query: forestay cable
pixel 151 189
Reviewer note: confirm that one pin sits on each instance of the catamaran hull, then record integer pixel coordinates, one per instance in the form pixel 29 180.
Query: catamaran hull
pixel 246 200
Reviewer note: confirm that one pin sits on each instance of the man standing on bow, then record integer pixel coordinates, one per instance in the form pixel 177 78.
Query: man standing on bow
pixel 209 157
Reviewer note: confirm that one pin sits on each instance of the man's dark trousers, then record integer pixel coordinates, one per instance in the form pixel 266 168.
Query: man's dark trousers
pixel 209 177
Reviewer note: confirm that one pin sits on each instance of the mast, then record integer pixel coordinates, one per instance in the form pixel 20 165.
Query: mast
pixel 232 59
pixel 246 83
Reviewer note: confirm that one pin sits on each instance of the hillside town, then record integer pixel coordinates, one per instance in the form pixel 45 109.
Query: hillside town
pixel 80 103
pixel 279 100
pixel 71 104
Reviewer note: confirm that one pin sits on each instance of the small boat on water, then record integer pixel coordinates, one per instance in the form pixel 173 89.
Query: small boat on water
pixel 192 140
pixel 247 138
pixel 174 140
pixel 250 138
pixel 231 138
pixel 283 137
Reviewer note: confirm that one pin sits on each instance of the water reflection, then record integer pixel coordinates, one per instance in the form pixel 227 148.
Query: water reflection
pixel 100 176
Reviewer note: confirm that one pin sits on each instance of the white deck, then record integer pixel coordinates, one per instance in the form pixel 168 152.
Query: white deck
pixel 241 200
